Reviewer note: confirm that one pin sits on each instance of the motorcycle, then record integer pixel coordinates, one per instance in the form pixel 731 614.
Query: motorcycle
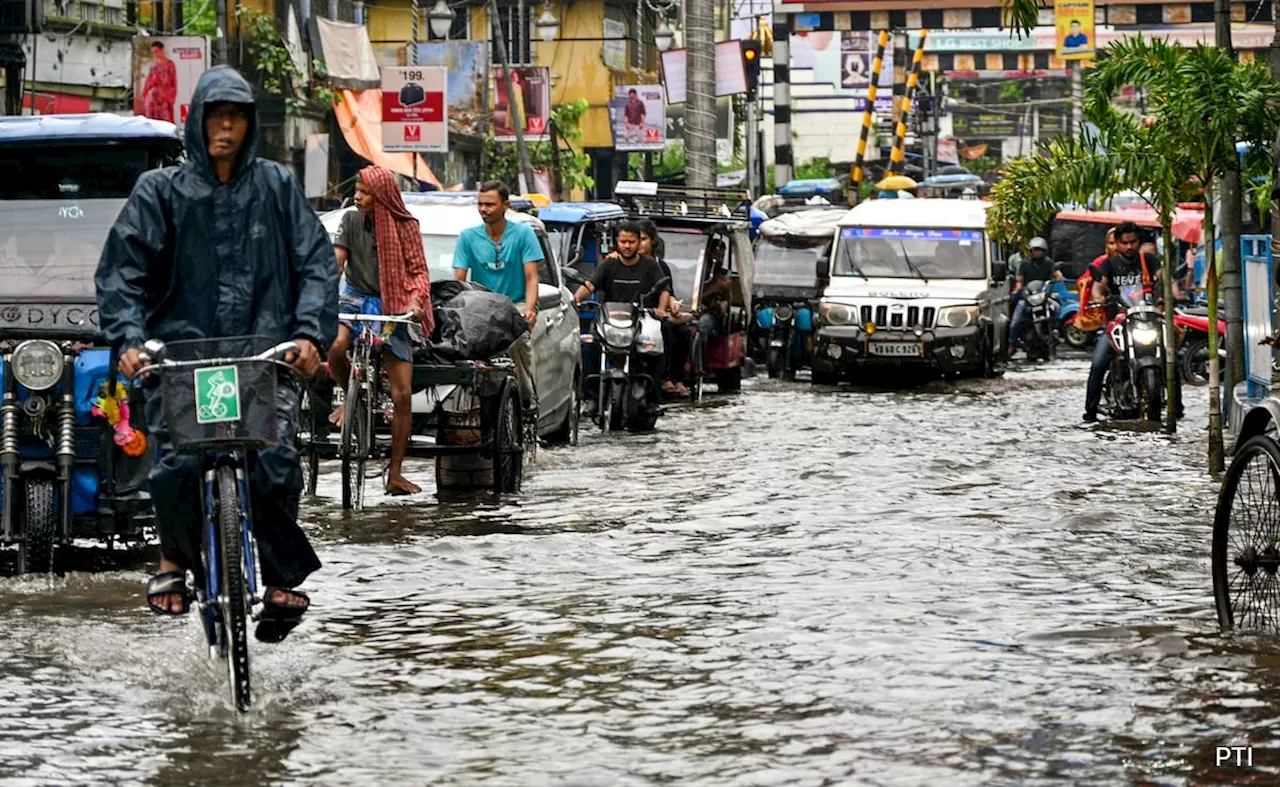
pixel 787 333
pixel 1193 353
pixel 1068 309
pixel 1039 336
pixel 627 334
pixel 1135 381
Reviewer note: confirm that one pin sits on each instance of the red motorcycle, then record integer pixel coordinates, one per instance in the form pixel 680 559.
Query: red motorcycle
pixel 1193 352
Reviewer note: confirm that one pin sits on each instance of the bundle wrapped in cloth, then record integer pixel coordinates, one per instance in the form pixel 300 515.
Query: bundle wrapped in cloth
pixel 472 323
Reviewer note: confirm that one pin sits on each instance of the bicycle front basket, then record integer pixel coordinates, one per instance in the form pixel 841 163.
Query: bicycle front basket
pixel 223 405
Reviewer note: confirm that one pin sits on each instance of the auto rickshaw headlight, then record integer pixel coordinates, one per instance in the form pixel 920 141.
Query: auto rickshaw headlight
pixel 37 364
pixel 783 313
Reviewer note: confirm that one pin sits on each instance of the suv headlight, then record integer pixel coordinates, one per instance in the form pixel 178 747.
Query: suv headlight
pixel 836 313
pixel 959 316
pixel 37 364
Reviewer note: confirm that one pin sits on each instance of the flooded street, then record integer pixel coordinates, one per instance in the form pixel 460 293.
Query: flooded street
pixel 953 584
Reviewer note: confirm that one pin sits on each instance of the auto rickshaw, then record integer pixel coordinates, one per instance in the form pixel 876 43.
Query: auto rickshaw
pixel 707 236
pixel 74 452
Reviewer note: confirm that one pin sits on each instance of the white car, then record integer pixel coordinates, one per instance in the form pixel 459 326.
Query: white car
pixel 556 348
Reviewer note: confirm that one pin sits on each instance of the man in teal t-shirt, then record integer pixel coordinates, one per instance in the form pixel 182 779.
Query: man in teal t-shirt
pixel 504 256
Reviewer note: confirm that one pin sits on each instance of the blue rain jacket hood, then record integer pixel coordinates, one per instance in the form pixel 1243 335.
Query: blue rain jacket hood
pixel 191 257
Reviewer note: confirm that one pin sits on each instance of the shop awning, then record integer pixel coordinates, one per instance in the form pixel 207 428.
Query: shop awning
pixel 360 118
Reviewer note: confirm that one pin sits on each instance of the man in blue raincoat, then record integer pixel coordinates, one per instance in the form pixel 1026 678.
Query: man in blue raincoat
pixel 223 245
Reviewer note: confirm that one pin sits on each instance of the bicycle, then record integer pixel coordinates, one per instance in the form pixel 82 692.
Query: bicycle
pixel 356 445
pixel 222 410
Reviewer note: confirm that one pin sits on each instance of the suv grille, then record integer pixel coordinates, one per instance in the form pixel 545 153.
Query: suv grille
pixel 914 317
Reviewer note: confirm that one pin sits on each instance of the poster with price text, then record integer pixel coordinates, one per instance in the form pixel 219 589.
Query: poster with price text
pixel 413 110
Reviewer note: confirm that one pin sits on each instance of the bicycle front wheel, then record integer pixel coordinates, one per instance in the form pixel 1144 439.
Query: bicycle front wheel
pixel 354 447
pixel 1245 532
pixel 235 593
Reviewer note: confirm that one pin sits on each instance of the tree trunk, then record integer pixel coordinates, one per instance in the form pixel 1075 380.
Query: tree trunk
pixel 700 96
pixel 1215 394
pixel 1170 343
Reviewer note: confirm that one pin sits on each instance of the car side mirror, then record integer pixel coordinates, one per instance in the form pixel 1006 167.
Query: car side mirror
pixel 823 269
pixel 999 271
pixel 548 297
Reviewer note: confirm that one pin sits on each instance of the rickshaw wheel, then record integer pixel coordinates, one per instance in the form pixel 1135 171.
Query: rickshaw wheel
pixel 1245 531
pixel 508 439
pixel 308 451
pixel 40 523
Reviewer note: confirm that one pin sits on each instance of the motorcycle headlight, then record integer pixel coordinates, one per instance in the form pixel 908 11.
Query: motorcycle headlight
pixel 783 313
pixel 1146 336
pixel 1036 299
pixel 959 316
pixel 836 313
pixel 615 336
pixel 37 364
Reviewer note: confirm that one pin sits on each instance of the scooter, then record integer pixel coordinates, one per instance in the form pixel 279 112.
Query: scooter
pixel 1193 353
pixel 627 334
pixel 787 330
pixel 1068 308
pixel 1135 381
pixel 1039 336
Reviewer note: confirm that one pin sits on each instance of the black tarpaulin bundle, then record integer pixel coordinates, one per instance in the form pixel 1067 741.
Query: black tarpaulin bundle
pixel 472 323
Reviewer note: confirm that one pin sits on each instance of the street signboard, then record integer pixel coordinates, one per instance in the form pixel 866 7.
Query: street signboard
pixel 532 88
pixel 166 70
pixel 413 110
pixel 638 118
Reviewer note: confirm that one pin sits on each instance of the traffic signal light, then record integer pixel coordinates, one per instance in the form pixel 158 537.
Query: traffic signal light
pixel 751 64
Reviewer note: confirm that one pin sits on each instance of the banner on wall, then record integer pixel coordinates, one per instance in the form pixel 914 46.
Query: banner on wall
pixel 731 73
pixel 532 87
pixel 638 117
pixel 467 64
pixel 1074 29
pixel 165 71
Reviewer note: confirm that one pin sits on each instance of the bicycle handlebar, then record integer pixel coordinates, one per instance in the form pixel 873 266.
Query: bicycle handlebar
pixel 406 318
pixel 275 354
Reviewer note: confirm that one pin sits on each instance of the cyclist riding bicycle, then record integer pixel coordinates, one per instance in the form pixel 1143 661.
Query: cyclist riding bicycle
pixel 379 248
pixel 223 245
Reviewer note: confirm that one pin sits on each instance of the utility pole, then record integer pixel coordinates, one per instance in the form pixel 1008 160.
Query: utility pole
pixel 754 187
pixel 700 95
pixel 1077 96
pixel 526 169
pixel 220 42
pixel 1275 203
pixel 1232 207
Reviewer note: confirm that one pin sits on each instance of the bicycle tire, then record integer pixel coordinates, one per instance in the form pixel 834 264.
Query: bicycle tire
pixel 347 446
pixel 234 601
pixel 1257 568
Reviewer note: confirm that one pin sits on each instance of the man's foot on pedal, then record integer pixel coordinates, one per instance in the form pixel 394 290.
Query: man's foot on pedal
pixel 398 486
pixel 282 611
pixel 335 417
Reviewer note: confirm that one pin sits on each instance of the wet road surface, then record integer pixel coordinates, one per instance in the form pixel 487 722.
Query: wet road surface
pixel 953 584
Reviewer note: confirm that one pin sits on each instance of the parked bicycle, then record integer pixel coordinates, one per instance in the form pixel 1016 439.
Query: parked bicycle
pixel 219 402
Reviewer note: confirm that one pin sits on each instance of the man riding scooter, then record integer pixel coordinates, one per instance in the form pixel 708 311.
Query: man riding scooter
pixel 1127 267
pixel 1037 267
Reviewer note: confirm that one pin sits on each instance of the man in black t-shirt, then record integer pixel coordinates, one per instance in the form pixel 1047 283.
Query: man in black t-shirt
pixel 1115 274
pixel 1037 267
pixel 626 279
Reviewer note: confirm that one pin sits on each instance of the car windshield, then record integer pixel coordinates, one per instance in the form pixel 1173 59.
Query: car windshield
pixel 681 254
pixel 896 252
pixel 439 250
pixel 57 204
pixel 788 261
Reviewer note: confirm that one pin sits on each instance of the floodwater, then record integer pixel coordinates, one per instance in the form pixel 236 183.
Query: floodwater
pixel 953 584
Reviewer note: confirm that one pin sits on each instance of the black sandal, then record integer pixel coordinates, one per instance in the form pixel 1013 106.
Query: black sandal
pixel 278 619
pixel 168 583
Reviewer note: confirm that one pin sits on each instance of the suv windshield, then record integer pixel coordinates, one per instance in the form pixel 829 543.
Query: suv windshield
pixel 788 261
pixel 57 204
pixel 908 253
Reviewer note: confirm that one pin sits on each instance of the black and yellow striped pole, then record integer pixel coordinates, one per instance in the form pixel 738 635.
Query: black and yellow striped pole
pixel 855 177
pixel 900 137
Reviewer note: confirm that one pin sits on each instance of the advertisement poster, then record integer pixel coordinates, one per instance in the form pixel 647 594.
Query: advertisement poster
pixel 1073 26
pixel 638 116
pixel 165 72
pixel 532 87
pixel 614 53
pixel 413 110
pixel 467 63
pixel 731 74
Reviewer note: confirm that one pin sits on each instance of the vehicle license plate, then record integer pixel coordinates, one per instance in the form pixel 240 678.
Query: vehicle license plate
pixel 895 349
